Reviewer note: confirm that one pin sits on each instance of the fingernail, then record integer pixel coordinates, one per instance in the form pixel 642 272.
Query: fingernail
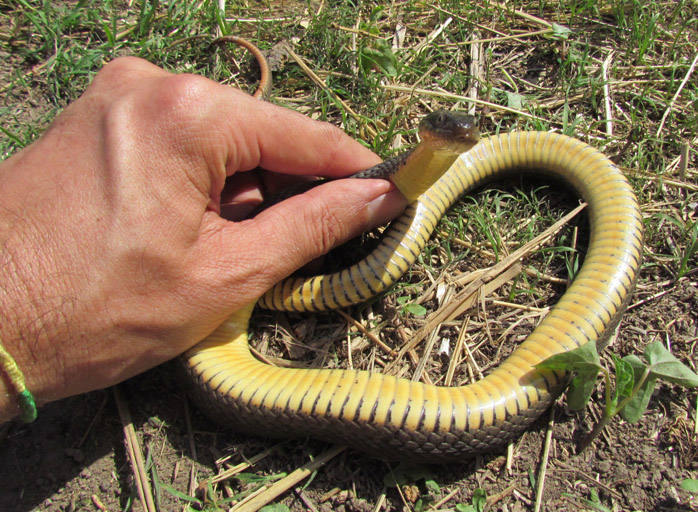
pixel 385 208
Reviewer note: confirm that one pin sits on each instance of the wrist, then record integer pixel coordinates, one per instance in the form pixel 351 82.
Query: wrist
pixel 24 361
pixel 15 397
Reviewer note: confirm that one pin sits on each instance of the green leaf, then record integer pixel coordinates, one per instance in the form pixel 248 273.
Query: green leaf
pixel 432 486
pixel 638 365
pixel 592 502
pixel 531 477
pixel 514 100
pixel 252 478
pixel 581 388
pixel 479 499
pixel 690 485
pixel 637 404
pixel 585 363
pixel 381 58
pixel 375 13
pixel 410 307
pixel 581 359
pixel 181 495
pixel 275 507
pixel 415 309
pixel 665 365
pixel 625 378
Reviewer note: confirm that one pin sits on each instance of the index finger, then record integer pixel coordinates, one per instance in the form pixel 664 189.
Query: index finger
pixel 281 140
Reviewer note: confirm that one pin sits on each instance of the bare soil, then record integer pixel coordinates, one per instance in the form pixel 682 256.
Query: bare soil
pixel 73 457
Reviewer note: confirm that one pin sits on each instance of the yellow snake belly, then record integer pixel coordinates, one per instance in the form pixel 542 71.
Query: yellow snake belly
pixel 389 417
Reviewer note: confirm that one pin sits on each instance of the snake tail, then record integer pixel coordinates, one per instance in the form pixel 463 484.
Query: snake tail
pixel 265 80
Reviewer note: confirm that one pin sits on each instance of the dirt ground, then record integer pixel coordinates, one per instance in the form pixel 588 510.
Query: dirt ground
pixel 74 456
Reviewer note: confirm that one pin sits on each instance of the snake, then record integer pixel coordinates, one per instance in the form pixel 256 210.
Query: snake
pixel 394 418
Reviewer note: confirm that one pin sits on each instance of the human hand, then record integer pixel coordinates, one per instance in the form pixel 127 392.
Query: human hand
pixel 114 256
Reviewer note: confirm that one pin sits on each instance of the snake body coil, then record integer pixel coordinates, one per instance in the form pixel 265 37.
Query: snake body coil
pixel 395 418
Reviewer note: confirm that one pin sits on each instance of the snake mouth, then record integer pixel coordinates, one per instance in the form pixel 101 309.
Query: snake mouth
pixel 444 130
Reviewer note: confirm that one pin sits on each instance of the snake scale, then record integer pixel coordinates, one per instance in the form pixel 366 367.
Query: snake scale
pixel 389 417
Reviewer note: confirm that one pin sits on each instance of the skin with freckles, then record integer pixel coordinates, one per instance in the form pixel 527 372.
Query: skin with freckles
pixel 120 232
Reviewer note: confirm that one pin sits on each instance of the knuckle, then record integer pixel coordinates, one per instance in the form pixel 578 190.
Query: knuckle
pixel 183 98
pixel 327 228
pixel 121 72
pixel 333 136
pixel 119 66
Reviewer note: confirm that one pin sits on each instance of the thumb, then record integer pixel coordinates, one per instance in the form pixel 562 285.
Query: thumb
pixel 259 252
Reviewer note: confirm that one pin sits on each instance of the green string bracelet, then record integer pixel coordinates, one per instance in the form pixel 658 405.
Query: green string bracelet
pixel 27 404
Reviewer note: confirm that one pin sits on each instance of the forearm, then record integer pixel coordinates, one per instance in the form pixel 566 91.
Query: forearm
pixel 46 233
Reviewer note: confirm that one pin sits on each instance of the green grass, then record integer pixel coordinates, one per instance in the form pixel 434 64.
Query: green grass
pixel 537 81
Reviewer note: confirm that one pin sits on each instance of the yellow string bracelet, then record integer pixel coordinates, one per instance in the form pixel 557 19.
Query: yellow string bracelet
pixel 27 404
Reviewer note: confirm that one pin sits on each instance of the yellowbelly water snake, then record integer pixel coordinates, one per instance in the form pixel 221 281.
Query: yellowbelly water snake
pixel 396 418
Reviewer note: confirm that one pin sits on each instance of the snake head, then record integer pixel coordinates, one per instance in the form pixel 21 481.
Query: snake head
pixel 448 131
